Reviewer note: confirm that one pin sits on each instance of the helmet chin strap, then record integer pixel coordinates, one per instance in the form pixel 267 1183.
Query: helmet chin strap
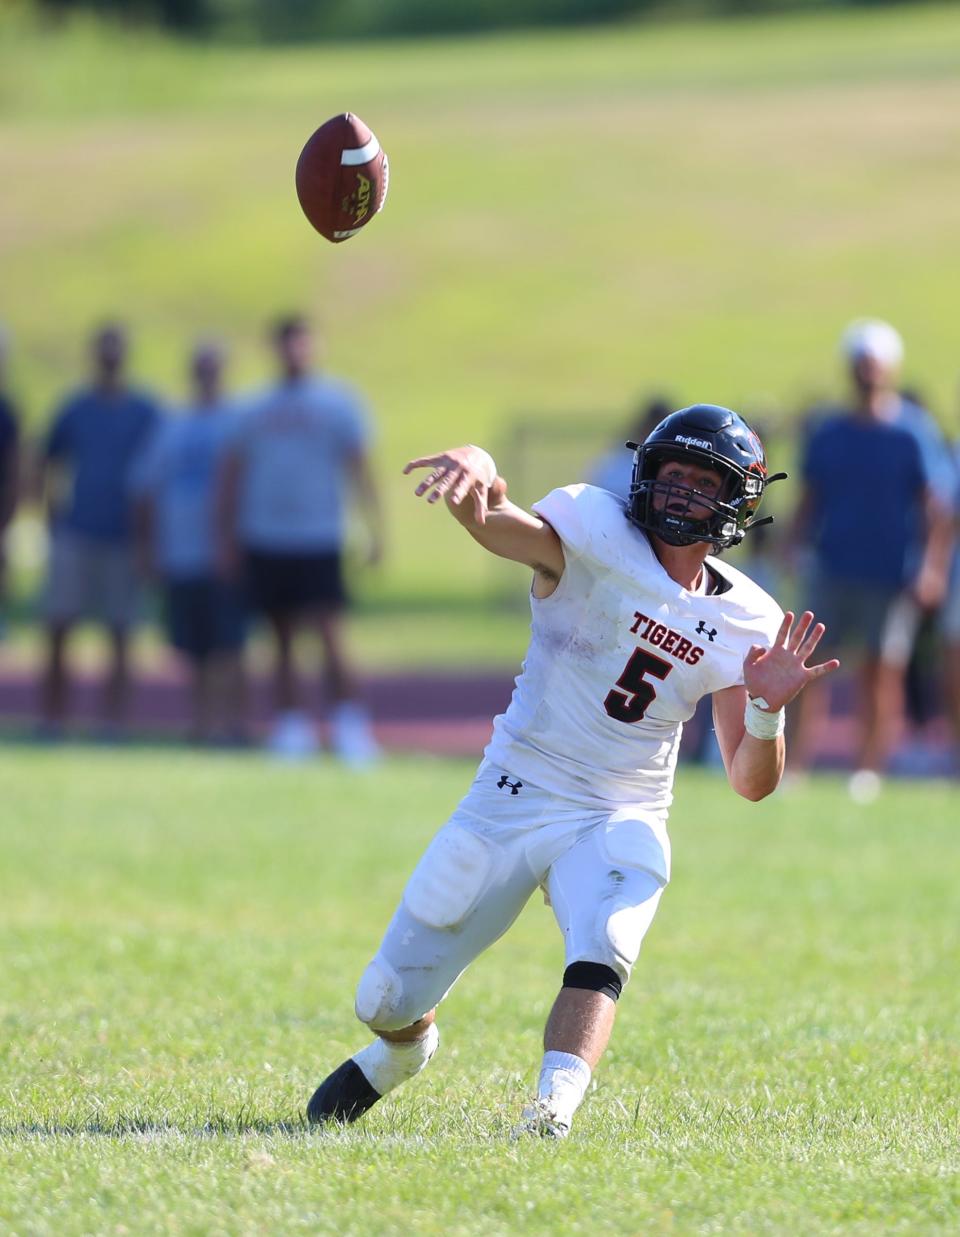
pixel 682 539
pixel 676 539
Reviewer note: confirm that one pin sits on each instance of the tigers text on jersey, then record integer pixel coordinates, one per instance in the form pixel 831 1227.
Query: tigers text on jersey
pixel 619 656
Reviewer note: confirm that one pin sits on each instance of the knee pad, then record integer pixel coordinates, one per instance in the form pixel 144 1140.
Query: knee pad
pixel 594 977
pixel 448 881
pixel 612 933
pixel 623 926
pixel 382 1002
pixel 379 993
pixel 640 853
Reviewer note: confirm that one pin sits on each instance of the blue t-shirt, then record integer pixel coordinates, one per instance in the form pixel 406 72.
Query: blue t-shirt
pixel 178 470
pixel 613 472
pixel 937 459
pixel 297 440
pixel 98 436
pixel 868 481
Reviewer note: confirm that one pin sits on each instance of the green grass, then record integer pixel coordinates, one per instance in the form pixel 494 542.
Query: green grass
pixel 181 936
pixel 574 218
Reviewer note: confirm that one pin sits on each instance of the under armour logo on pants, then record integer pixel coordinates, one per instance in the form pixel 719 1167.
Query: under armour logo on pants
pixel 514 786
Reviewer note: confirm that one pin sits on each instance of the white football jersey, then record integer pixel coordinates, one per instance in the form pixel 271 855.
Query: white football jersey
pixel 619 656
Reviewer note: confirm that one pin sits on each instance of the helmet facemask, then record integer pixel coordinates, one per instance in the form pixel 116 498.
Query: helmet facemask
pixel 714 439
pixel 722 519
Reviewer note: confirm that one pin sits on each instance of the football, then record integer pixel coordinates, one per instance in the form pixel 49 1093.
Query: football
pixel 342 177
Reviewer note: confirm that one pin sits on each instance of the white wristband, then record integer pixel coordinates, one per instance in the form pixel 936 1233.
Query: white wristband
pixel 485 463
pixel 760 722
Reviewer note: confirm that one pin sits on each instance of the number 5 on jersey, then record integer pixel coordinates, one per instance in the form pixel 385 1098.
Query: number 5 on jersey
pixel 630 704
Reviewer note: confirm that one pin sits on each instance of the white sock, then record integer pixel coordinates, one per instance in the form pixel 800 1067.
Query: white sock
pixel 385 1065
pixel 564 1079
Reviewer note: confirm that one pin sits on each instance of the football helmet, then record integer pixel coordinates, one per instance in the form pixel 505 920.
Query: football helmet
pixel 716 438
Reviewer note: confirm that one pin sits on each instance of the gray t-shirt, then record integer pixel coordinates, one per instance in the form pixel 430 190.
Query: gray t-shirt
pixel 297 440
pixel 178 470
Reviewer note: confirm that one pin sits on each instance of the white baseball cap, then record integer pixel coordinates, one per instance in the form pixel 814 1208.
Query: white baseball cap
pixel 873 338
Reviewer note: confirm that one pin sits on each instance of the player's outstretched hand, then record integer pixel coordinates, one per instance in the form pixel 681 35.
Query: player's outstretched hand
pixel 779 673
pixel 453 475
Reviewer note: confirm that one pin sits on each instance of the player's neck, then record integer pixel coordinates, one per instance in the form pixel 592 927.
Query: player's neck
pixel 683 563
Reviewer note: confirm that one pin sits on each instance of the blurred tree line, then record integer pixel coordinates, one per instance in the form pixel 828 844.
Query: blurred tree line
pixel 292 20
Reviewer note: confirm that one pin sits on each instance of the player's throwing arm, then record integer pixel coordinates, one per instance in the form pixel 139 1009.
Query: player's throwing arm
pixel 466 477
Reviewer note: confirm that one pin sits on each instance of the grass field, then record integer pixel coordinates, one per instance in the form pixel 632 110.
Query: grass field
pixel 180 938
pixel 575 218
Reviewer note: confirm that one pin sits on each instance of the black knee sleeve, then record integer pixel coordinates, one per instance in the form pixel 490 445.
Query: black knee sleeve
pixel 594 976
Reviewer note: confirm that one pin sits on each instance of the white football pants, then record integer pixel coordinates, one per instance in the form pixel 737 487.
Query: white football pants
pixel 603 871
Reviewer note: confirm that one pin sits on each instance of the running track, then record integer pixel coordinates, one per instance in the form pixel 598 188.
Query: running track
pixel 443 714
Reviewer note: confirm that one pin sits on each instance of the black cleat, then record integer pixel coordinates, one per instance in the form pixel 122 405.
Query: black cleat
pixel 343 1097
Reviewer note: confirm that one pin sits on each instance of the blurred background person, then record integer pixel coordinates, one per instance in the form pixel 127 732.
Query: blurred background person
pixel 9 468
pixel 874 515
pixel 301 448
pixel 613 470
pixel 85 471
pixel 174 486
pixel 950 622
pixel 925 684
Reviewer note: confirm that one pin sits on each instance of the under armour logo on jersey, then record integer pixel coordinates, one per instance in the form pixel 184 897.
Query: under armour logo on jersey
pixel 704 630
pixel 514 786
